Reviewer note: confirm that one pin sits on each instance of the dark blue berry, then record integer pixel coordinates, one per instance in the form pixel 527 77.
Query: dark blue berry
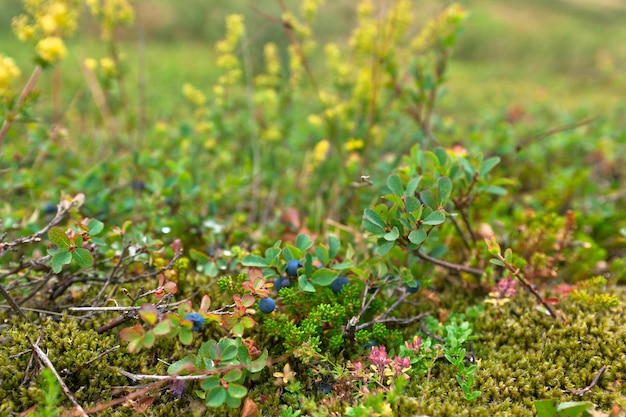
pixel 370 344
pixel 281 282
pixel 415 287
pixel 197 320
pixel 267 305
pixel 49 208
pixel 292 267
pixel 324 388
pixel 339 282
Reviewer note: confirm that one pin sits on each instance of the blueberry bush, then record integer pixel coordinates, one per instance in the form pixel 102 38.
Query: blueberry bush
pixel 307 230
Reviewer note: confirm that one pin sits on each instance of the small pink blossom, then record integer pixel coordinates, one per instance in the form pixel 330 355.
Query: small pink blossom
pixel 379 356
pixel 506 288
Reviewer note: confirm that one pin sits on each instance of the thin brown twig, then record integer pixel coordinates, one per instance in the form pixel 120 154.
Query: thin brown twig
pixel 28 88
pixel 448 265
pixel 594 382
pixel 44 358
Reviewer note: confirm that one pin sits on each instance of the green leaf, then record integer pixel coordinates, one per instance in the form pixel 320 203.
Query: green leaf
pixel 216 397
pixel 162 328
pixel 497 262
pixel 412 186
pixel 374 218
pixel 573 408
pixel 185 336
pixel 395 184
pixel 259 363
pixel 383 248
pixel 254 261
pixel 444 189
pixel 83 257
pixel 59 259
pixel 412 204
pixel 303 242
pixel 492 189
pixel 428 199
pixel 546 408
pixel 95 227
pixel 323 277
pixel 393 235
pixel 333 246
pixel 305 285
pixel 182 366
pixel 373 227
pixel 237 391
pixel 488 165
pixel 321 253
pixel 435 218
pixel 210 383
pixel 58 237
pixel 442 156
pixel 148 339
pixel 233 375
pixel 417 236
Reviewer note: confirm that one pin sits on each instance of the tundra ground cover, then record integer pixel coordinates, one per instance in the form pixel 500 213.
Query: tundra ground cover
pixel 307 231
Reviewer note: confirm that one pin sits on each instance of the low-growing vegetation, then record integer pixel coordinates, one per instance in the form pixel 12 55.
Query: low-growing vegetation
pixel 308 234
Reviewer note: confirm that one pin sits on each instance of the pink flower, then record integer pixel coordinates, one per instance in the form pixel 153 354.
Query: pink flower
pixel 379 356
pixel 506 288
pixel 414 344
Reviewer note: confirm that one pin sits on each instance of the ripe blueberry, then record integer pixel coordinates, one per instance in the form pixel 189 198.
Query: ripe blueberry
pixel 415 288
pixel 49 208
pixel 281 282
pixel 292 267
pixel 267 305
pixel 339 282
pixel 197 320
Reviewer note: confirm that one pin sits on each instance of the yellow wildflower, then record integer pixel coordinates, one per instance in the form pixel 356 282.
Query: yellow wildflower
pixel 9 72
pixel 51 49
pixel 195 96
pixel 353 144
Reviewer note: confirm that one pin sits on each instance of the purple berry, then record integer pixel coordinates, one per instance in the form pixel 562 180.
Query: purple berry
pixel 338 284
pixel 292 267
pixel 267 305
pixel 197 320
pixel 281 282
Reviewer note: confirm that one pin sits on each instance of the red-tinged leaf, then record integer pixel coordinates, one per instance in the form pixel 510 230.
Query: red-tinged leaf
pixel 171 287
pixel 254 274
pixel 129 334
pixel 149 313
pixel 141 405
pixel 58 237
pixel 551 301
pixel 248 322
pixel 177 246
pixel 135 345
pixel 248 300
pixel 237 329
pixel 205 303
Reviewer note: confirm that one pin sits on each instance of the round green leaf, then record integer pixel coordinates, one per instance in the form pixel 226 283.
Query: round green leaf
pixel 83 257
pixel 233 375
pixel 254 261
pixel 323 277
pixel 393 235
pixel 237 391
pixel 216 397
pixel 59 259
pixel 417 236
pixel 59 237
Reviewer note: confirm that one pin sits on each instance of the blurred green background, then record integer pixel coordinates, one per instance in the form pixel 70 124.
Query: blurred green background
pixel 569 53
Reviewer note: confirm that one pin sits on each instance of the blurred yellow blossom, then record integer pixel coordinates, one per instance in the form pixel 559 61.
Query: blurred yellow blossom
pixel 90 63
pixel 315 120
pixel 51 49
pixel 9 72
pixel 111 13
pixel 353 144
pixel 193 95
pixel 109 67
pixel 319 152
pixel 440 27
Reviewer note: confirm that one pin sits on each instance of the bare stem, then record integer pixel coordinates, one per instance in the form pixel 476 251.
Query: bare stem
pixel 28 88
pixel 449 265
